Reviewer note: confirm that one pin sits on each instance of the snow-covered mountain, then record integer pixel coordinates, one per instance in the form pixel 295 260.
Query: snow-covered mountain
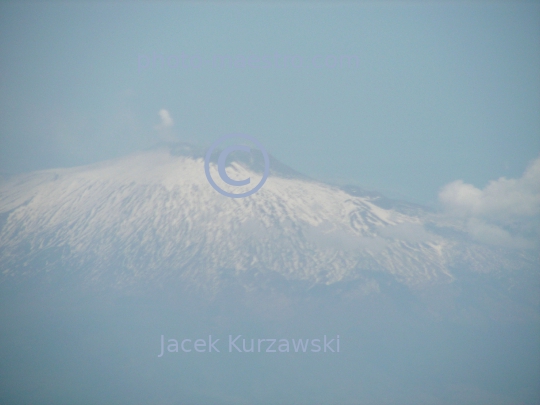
pixel 154 217
pixel 98 263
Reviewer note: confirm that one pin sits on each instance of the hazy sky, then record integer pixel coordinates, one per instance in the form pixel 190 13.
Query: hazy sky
pixel 440 92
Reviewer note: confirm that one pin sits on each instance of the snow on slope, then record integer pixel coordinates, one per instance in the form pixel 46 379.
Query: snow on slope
pixel 154 216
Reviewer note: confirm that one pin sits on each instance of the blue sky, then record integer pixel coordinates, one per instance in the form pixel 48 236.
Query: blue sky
pixel 442 91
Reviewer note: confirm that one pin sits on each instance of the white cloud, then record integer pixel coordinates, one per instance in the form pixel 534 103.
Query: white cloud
pixel 501 211
pixel 495 235
pixel 164 127
pixel 503 197
pixel 166 120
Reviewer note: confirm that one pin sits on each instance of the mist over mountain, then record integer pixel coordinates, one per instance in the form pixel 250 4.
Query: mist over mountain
pixel 145 245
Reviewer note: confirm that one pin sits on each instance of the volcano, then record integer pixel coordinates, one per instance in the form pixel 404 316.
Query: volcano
pixel 152 217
